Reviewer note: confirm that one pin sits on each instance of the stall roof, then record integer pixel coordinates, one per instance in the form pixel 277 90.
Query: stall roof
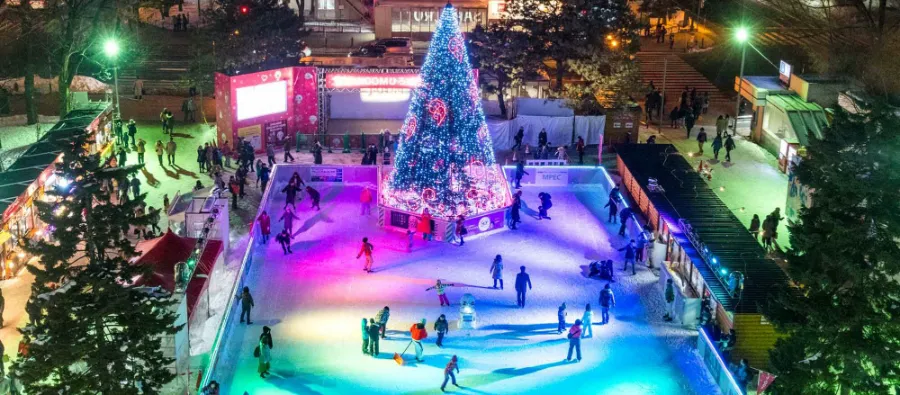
pixel 806 118
pixel 687 196
pixel 15 180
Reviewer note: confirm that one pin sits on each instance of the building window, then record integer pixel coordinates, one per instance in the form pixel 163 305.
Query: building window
pixel 326 4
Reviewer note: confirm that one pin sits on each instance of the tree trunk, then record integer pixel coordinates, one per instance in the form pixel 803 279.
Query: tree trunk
pixel 64 82
pixel 301 4
pixel 501 86
pixel 30 104
pixel 560 71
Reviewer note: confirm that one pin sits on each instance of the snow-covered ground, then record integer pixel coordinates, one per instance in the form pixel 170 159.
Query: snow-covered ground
pixel 315 298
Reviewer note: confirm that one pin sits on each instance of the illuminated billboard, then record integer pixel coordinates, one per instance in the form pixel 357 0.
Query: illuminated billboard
pixel 259 100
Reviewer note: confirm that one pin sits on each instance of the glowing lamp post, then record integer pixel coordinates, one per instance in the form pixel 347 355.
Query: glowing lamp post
pixel 111 48
pixel 742 35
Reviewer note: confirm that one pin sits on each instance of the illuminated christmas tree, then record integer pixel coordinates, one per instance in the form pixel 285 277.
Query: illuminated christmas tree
pixel 445 161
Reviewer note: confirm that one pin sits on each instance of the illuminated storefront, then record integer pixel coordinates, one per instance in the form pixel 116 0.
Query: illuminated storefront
pixel 401 18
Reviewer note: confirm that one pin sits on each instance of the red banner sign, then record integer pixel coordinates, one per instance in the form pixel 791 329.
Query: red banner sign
pixel 765 380
pixel 372 80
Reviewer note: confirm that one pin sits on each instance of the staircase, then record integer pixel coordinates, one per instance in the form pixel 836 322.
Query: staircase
pixel 678 74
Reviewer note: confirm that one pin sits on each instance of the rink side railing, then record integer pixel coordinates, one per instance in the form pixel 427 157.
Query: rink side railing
pixel 225 326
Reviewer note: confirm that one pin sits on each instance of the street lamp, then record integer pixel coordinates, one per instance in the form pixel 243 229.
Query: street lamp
pixel 111 48
pixel 742 35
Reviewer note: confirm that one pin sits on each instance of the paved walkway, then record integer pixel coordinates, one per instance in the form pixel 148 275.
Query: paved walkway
pixel 750 184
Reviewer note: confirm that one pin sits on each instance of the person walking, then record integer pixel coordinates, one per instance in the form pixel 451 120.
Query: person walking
pixel 717 146
pixel 575 341
pixel 284 238
pixel 613 210
pixel 140 149
pixel 264 226
pixel 518 138
pixel 138 88
pixel 246 305
pixel 561 318
pixel 424 225
pixel 170 122
pixel 365 202
pixel 629 256
pixel 159 149
pixel 314 196
pixel 287 154
pixel 729 146
pixel 673 117
pixel 366 249
pixel 448 372
pixel 542 137
pixel 373 330
pixel 441 326
pixel 264 177
pixel 270 154
pixel 640 246
pixel 170 151
pixel 365 336
pixel 235 188
pixel 579 147
pixel 670 300
pixel 418 333
pixel 497 271
pixel 607 300
pixel 135 186
pixel 382 319
pixel 265 352
pixel 288 218
pixel 623 220
pixel 754 227
pixel 132 131
pixel 439 286
pixel 546 204
pixel 689 123
pixel 721 125
pixel 461 230
pixel 522 279
pixel 701 139
pixel 587 327
pixel 187 107
pixel 317 153
pixel 163 119
pixel 520 172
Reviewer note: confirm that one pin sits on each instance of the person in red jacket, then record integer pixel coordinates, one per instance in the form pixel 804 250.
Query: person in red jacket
pixel 365 200
pixel 424 225
pixel 265 227
pixel 418 333
pixel 575 340
pixel 366 249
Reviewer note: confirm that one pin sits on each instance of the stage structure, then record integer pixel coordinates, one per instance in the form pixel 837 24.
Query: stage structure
pixel 445 161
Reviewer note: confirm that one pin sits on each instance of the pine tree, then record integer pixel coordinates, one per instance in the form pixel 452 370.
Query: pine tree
pixel 445 161
pixel 503 55
pixel 843 321
pixel 90 330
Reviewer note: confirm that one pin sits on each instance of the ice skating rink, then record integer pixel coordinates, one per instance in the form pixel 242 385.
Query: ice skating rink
pixel 315 299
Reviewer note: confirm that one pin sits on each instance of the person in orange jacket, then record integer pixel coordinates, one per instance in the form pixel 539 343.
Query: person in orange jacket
pixel 418 333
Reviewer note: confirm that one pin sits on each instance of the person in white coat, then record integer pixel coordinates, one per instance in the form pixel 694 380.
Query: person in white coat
pixel 265 352
pixel 497 271
pixel 587 330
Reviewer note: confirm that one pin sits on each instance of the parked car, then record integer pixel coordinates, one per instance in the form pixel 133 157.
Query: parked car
pixel 368 51
pixel 396 45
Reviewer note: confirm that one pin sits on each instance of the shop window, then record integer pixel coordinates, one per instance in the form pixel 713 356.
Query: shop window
pixel 326 4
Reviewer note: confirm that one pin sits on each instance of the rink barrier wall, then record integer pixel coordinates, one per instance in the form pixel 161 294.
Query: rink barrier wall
pixel 281 174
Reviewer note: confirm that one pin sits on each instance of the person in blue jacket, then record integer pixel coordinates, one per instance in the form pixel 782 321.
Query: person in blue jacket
pixel 630 251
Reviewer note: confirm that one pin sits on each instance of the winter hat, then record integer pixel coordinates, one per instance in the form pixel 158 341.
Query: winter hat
pixel 577 322
pixel 423 321
pixel 454 358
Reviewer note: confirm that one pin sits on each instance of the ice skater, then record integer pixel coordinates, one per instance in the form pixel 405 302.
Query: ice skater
pixel 497 271
pixel 448 372
pixel 314 196
pixel 607 300
pixel 290 194
pixel 575 341
pixel 418 333
pixel 284 238
pixel 424 225
pixel 288 218
pixel 441 326
pixel 265 352
pixel 613 210
pixel 365 335
pixel 586 319
pixel 629 256
pixel 514 216
pixel 546 203
pixel 461 230
pixel 264 226
pixel 246 305
pixel 520 172
pixel 623 219
pixel 382 318
pixel 366 249
pixel 373 329
pixel 561 318
pixel 522 279
pixel 365 202
pixel 439 287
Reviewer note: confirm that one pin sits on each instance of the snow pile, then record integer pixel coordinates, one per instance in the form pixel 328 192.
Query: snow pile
pixel 80 83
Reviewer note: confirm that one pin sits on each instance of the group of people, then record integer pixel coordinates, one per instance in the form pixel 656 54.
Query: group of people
pixel 768 228
pixel 292 191
pixel 544 148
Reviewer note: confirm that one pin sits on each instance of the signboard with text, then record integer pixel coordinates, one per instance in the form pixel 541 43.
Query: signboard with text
pixel 326 174
pixel 551 176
